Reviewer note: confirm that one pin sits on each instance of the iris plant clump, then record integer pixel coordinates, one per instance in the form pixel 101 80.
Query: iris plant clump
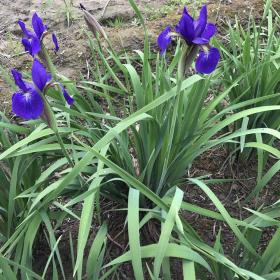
pixel 139 160
pixel 197 34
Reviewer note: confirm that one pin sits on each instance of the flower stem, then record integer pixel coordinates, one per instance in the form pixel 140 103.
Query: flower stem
pixel 60 142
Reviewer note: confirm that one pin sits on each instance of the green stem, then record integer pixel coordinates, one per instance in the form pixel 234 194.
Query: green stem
pixel 63 148
pixel 45 57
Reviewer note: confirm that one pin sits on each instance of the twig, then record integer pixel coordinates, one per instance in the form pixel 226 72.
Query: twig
pixel 105 7
pixel 119 245
pixel 11 56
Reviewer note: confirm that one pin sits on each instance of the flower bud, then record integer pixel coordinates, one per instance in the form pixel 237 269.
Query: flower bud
pixel 48 116
pixel 93 25
pixel 187 58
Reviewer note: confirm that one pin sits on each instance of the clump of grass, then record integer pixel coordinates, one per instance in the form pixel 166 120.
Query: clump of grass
pixel 116 23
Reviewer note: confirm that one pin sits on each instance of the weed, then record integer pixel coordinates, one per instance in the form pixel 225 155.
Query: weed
pixel 117 23
pixel 170 5
pixel 135 22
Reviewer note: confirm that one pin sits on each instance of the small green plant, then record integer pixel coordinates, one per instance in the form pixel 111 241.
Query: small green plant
pixel 68 10
pixel 135 22
pixel 118 22
pixel 14 48
pixel 153 13
pixel 170 5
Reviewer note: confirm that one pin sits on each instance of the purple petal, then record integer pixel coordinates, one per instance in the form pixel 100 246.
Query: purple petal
pixel 26 87
pixel 25 31
pixel 200 41
pixel 35 46
pixel 200 23
pixel 28 105
pixel 209 31
pixel 185 12
pixel 55 42
pixel 39 74
pixel 207 61
pixel 67 97
pixel 18 80
pixel 38 25
pixel 27 45
pixel 32 47
pixel 186 28
pixel 49 77
pixel 164 39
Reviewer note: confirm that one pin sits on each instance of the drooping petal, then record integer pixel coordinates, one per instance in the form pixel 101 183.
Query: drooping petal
pixel 27 45
pixel 18 80
pixel 164 39
pixel 55 42
pixel 200 23
pixel 185 12
pixel 186 28
pixel 67 97
pixel 39 74
pixel 35 46
pixel 25 31
pixel 38 25
pixel 200 41
pixel 26 87
pixel 207 61
pixel 209 31
pixel 28 105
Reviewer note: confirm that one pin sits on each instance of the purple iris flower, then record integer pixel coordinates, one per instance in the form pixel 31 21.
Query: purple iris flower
pixel 32 43
pixel 28 103
pixel 194 32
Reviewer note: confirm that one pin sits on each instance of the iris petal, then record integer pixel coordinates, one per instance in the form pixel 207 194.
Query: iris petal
pixel 27 45
pixel 209 31
pixel 185 12
pixel 38 25
pixel 207 62
pixel 18 80
pixel 200 41
pixel 67 97
pixel 25 31
pixel 49 77
pixel 32 47
pixel 164 39
pixel 186 28
pixel 200 23
pixel 55 42
pixel 35 46
pixel 39 74
pixel 28 106
pixel 26 87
